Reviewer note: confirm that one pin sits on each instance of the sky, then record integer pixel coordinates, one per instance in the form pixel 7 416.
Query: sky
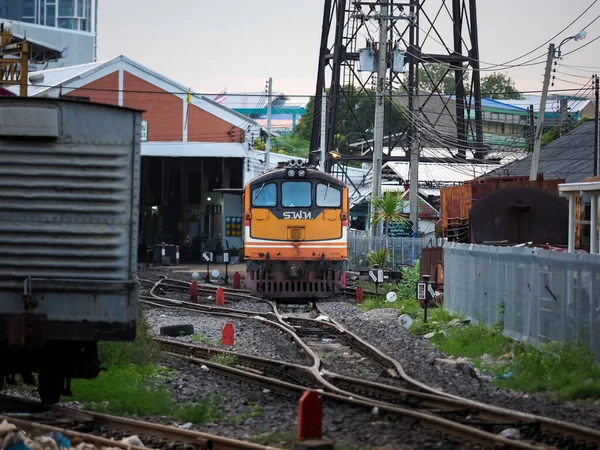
pixel 239 44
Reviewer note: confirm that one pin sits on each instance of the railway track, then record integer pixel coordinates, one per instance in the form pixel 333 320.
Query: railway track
pixel 472 421
pixel 107 430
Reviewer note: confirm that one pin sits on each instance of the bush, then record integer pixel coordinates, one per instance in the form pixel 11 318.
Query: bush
pixel 378 257
pixel 410 277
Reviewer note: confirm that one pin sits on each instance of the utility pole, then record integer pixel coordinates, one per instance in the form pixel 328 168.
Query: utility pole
pixel 268 144
pixel 323 128
pixel 564 115
pixel 413 87
pixel 596 136
pixel 379 109
pixel 542 112
pixel 530 129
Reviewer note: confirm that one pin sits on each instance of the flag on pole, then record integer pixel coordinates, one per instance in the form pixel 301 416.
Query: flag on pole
pixel 188 100
pixel 220 98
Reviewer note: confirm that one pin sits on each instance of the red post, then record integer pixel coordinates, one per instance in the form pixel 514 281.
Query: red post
pixel 310 416
pixel 236 280
pixel 194 292
pixel 220 297
pixel 177 254
pixel 164 250
pixel 227 335
pixel 360 295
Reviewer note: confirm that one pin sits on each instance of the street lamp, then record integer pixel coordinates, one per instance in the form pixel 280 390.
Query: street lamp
pixel 578 37
pixel 552 54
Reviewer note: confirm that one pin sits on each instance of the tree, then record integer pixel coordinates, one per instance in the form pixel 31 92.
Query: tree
pixel 388 209
pixel 356 114
pixel 499 86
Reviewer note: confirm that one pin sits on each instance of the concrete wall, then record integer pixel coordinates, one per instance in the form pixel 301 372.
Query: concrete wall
pixel 78 45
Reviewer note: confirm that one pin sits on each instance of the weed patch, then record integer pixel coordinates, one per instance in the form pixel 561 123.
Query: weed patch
pixel 565 369
pixel 144 350
pixel 137 389
pixel 255 410
pixel 225 360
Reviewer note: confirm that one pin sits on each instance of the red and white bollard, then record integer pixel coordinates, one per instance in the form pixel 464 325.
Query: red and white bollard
pixel 177 254
pixel 164 250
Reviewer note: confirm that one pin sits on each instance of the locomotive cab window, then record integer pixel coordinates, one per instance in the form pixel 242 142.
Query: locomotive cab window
pixel 328 196
pixel 296 194
pixel 264 195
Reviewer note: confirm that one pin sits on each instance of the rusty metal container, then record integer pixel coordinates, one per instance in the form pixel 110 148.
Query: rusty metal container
pixel 456 201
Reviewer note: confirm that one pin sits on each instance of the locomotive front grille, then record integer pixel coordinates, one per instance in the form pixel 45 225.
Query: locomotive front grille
pixel 296 234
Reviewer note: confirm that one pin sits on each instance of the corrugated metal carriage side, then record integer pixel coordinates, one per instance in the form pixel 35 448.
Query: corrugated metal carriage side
pixel 69 196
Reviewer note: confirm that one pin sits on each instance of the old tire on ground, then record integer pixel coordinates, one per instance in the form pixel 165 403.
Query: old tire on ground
pixel 50 387
pixel 177 330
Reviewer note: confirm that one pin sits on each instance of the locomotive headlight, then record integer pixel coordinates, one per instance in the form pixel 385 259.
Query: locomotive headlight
pixel 301 172
pixel 291 173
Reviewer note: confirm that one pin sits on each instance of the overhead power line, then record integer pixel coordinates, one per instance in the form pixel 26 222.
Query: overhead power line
pixel 183 93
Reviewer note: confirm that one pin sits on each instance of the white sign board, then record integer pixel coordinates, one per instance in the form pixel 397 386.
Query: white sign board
pixel 376 275
pixel 144 134
pixel 207 256
pixel 421 291
pixel 225 257
pixel 431 291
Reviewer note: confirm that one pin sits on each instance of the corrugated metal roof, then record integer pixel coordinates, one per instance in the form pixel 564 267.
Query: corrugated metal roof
pixel 54 77
pixel 442 173
pixel 570 157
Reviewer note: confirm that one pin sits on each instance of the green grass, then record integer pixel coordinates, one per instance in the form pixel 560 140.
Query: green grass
pixel 134 383
pixel 138 389
pixel 225 360
pixel 472 341
pixel 255 411
pixel 567 370
pixel 144 350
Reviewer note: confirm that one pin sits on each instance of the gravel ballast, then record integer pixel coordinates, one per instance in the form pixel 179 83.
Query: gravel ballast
pixel 254 411
pixel 380 327
pixel 251 336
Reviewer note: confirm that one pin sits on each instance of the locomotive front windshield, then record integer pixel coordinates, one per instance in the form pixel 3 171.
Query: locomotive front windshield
pixel 296 194
pixel 265 195
pixel 328 196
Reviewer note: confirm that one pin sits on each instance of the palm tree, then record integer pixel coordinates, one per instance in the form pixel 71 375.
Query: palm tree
pixel 388 209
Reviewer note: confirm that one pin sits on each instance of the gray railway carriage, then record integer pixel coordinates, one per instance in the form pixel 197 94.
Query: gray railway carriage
pixel 69 196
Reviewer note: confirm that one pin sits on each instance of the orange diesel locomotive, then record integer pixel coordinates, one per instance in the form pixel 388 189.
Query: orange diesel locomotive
pixel 295 233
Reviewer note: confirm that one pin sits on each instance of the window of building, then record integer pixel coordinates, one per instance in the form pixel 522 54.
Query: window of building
pixel 296 194
pixel 265 195
pixel 328 196
pixel 51 15
pixel 66 8
pixel 65 23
